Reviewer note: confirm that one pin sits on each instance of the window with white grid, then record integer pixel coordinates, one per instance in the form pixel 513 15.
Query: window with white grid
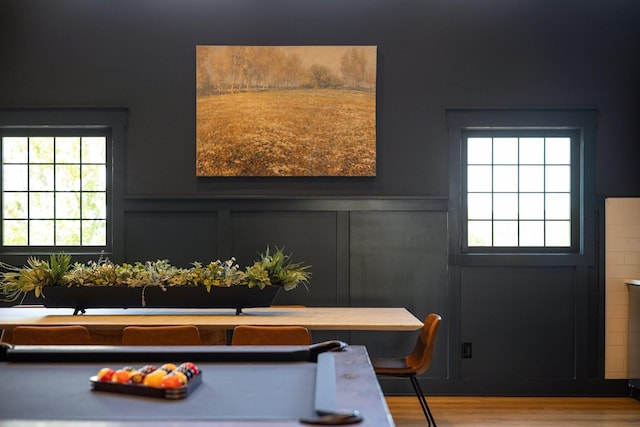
pixel 520 189
pixel 55 188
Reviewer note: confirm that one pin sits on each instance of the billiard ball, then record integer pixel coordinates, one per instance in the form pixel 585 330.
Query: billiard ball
pixel 154 379
pixel 105 374
pixel 171 381
pixel 190 366
pixel 121 376
pixel 180 375
pixel 168 367
pixel 137 377
pixel 147 369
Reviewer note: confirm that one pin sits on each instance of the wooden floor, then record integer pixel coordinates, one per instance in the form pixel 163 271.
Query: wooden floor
pixel 518 412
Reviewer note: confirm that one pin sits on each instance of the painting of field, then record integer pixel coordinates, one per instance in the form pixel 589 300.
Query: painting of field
pixel 286 111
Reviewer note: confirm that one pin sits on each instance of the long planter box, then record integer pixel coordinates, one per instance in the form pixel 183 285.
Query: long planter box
pixel 81 298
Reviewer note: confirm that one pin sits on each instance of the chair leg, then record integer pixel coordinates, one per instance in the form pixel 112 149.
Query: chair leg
pixel 423 402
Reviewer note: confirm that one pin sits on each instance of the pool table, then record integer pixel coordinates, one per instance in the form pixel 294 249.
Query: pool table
pixel 238 385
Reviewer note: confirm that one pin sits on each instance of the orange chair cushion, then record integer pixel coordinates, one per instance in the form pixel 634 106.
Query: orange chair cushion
pixel 270 335
pixel 51 335
pixel 161 335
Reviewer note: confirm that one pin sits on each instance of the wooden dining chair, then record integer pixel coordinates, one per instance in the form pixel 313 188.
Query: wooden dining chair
pixel 270 335
pixel 416 363
pixel 161 335
pixel 51 335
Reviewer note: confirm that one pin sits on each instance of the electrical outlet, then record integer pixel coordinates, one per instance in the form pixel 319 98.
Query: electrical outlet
pixel 466 350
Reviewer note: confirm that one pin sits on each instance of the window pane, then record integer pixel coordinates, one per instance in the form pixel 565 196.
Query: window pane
pixel 505 206
pixel 479 151
pixel 479 178
pixel 558 178
pixel 68 177
pixel 68 150
pixel 41 150
pixel 94 178
pixel 505 178
pixel 15 150
pixel 532 206
pixel 16 233
pixel 41 232
pixel 479 233
pixel 68 233
pixel 558 206
pixel 68 205
pixel 505 233
pixel 505 151
pixel 558 151
pixel 94 150
pixel 531 233
pixel 94 233
pixel 520 187
pixel 532 178
pixel 15 178
pixel 558 233
pixel 54 186
pixel 41 178
pixel 479 206
pixel 93 205
pixel 41 205
pixel 16 206
pixel 532 151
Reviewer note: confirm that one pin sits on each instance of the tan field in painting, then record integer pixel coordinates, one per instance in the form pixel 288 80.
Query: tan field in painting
pixel 301 132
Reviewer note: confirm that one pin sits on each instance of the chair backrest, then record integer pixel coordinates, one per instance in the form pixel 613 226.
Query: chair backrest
pixel 420 358
pixel 270 335
pixel 161 335
pixel 51 335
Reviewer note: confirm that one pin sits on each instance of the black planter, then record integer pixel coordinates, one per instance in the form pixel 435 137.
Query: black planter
pixel 81 298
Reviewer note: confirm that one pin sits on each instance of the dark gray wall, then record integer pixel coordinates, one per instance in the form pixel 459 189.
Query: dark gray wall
pixel 375 241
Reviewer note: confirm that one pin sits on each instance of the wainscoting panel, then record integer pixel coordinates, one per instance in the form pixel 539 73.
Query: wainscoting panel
pixel 308 236
pixel 180 237
pixel 519 321
pixel 400 259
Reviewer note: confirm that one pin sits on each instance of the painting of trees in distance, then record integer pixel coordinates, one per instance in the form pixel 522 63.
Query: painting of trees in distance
pixel 286 111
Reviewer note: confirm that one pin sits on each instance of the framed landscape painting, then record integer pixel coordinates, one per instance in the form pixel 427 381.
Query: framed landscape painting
pixel 286 111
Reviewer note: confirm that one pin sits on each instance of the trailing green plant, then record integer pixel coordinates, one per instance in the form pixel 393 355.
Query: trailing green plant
pixel 270 269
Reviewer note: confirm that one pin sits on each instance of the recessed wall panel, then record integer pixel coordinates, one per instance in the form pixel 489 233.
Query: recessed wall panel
pixel 180 237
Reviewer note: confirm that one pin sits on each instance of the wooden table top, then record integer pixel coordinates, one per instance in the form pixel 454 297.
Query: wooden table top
pixel 314 318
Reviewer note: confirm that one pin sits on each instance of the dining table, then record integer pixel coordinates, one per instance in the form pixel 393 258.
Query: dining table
pixel 106 325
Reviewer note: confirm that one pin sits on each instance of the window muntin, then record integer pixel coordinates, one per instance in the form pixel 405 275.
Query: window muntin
pixel 54 188
pixel 520 190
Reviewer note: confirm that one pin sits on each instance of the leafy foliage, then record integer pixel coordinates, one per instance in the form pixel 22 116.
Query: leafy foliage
pixel 34 276
pixel 276 270
pixel 270 269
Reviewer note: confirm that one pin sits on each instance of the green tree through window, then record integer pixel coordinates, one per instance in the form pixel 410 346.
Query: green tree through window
pixel 54 190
